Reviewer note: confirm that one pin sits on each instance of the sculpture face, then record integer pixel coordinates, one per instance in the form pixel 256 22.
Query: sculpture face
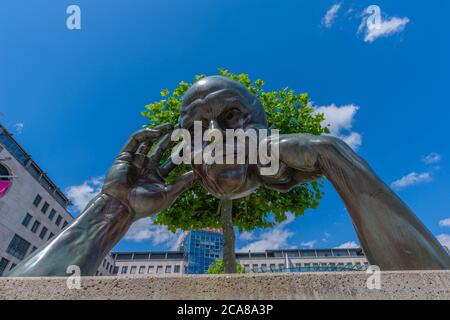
pixel 222 103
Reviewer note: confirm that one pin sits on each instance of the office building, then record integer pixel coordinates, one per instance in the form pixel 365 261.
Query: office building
pixel 292 260
pixel 202 247
pixel 33 209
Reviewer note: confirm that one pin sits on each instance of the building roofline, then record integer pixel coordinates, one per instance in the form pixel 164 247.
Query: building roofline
pixel 30 162
pixel 241 252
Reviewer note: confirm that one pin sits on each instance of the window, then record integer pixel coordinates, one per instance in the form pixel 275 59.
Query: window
pixel 4 173
pixel 18 247
pixel 13 266
pixel 104 263
pixel 151 269
pixel 64 224
pixel 35 226
pixel 159 269
pixel 33 249
pixel 124 269
pixel 26 220
pixel 3 264
pixel 43 232
pixel 176 269
pixel 52 214
pixel 133 270
pixel 37 200
pixel 45 208
pixel 58 220
pixel 50 236
pixel 141 269
pixel 168 269
pixel 324 253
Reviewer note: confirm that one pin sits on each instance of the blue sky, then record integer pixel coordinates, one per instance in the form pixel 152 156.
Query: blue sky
pixel 73 96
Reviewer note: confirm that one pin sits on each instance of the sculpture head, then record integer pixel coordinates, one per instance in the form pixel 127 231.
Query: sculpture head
pixel 221 103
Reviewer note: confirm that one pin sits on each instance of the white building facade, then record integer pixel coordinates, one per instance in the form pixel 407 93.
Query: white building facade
pixel 298 260
pixel 32 208
pixel 303 260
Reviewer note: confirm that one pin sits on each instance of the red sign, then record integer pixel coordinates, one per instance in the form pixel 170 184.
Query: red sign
pixel 4 186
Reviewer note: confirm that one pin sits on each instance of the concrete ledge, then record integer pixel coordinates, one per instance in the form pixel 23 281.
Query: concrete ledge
pixel 348 285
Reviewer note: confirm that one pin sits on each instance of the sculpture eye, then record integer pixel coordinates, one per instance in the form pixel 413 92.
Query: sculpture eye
pixel 231 118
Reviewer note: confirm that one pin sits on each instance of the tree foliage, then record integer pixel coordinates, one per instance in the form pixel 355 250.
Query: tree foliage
pixel 217 267
pixel 196 209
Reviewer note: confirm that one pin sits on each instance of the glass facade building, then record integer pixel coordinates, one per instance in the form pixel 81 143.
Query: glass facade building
pixel 202 247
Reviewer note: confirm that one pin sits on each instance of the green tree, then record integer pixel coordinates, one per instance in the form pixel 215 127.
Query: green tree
pixel 218 268
pixel 195 209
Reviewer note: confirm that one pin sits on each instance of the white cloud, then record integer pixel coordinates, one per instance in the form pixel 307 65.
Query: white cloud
pixel 246 236
pixel 81 194
pixel 411 179
pixel 326 237
pixel 19 127
pixel 309 244
pixel 348 245
pixel 353 139
pixel 275 238
pixel 384 28
pixel 340 122
pixel 330 16
pixel 445 223
pixel 145 229
pixel 432 158
pixel 444 239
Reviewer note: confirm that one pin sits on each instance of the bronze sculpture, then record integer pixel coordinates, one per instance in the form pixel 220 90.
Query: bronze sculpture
pixel 390 234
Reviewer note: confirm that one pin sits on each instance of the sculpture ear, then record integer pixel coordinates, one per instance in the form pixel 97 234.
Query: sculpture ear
pixel 281 182
pixel 289 179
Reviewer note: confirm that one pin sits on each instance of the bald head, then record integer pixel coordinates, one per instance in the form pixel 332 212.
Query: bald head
pixel 209 97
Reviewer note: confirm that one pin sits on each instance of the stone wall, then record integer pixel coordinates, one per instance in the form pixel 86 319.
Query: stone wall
pixel 349 285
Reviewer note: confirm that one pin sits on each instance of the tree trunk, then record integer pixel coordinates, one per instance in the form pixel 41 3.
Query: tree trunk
pixel 229 255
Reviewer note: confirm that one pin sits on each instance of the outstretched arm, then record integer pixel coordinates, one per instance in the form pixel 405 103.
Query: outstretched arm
pixel 134 188
pixel 391 236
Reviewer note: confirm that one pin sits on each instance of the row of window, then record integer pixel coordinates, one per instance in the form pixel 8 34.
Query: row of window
pixel 273 266
pixel 34 228
pixel 151 269
pixel 51 215
pixel 108 266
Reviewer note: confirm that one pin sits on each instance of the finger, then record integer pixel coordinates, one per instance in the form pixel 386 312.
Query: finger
pixel 180 185
pixel 167 167
pixel 145 135
pixel 161 148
